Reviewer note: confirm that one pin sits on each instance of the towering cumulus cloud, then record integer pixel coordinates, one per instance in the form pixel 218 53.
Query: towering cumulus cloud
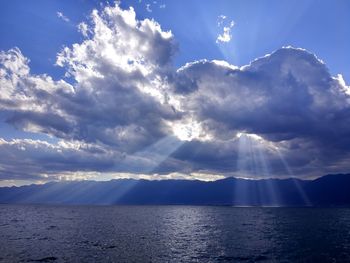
pixel 123 108
pixel 286 100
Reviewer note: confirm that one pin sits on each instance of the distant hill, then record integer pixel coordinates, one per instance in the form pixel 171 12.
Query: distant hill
pixel 329 190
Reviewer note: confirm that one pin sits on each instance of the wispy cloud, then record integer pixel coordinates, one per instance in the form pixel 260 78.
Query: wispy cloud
pixel 83 28
pixel 226 28
pixel 221 19
pixel 148 8
pixel 62 16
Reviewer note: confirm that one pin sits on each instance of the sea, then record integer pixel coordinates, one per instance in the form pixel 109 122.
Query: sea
pixel 56 233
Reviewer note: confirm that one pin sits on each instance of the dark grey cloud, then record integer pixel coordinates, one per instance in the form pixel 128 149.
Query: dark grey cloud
pixel 117 98
pixel 33 159
pixel 126 109
pixel 288 98
pixel 287 94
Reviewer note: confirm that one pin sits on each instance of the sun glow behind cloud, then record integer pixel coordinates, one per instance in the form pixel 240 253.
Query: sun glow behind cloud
pixel 189 130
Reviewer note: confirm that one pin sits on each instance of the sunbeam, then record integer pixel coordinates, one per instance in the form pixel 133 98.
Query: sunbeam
pixel 273 197
pixel 300 190
pixel 240 193
pixel 252 163
pixel 147 160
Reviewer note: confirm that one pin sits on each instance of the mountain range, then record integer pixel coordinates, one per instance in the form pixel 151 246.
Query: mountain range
pixel 329 190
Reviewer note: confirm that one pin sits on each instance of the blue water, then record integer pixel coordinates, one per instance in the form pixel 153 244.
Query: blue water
pixel 173 234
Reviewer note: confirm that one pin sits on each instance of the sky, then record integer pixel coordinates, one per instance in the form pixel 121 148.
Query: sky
pixel 173 89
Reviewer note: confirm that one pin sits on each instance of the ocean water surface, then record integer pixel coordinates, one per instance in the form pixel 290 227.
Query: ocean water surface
pixel 43 233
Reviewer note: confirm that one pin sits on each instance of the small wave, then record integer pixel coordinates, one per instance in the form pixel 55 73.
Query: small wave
pixel 46 259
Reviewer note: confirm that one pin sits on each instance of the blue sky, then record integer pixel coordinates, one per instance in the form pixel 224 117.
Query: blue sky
pixel 42 29
pixel 261 27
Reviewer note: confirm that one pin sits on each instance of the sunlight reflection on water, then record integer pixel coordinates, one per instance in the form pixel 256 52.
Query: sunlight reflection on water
pixel 173 234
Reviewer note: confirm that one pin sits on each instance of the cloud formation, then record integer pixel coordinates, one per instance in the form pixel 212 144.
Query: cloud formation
pixel 124 108
pixel 117 97
pixel 288 98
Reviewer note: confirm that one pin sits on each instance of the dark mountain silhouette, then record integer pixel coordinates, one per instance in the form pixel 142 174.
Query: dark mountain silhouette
pixel 330 190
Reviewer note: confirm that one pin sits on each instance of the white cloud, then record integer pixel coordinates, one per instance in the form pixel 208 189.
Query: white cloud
pixel 62 16
pixel 288 97
pixel 84 29
pixel 221 19
pixel 226 35
pixel 130 59
pixel 127 101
